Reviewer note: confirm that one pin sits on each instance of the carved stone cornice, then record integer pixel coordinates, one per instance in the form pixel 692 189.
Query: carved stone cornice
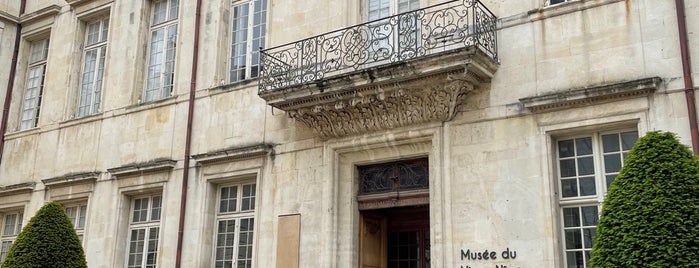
pixel 15 189
pixel 429 89
pixel 591 95
pixel 136 169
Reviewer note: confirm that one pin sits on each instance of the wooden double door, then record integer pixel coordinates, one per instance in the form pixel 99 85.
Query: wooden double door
pixel 395 238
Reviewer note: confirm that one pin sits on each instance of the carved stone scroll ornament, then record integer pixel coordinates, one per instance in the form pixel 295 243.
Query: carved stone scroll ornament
pixel 431 101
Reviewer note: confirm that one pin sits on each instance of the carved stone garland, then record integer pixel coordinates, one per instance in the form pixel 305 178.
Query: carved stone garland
pixel 431 102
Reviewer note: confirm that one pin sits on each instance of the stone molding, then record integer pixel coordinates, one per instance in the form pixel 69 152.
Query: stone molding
pixel 7 16
pixel 19 188
pixel 71 179
pixel 430 89
pixel 233 154
pixel 591 95
pixel 394 199
pixel 39 14
pixel 141 168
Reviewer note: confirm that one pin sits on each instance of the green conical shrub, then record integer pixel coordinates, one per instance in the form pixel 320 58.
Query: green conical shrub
pixel 49 240
pixel 650 216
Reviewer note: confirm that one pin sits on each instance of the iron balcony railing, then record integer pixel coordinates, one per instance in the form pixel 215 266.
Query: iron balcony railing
pixel 409 35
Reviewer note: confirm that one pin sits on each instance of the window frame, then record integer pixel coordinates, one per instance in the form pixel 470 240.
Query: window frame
pixel 169 24
pixel 78 206
pixel 249 40
pixel 33 64
pixel 147 225
pixel 579 201
pixel 237 216
pixel 94 103
pixel 9 238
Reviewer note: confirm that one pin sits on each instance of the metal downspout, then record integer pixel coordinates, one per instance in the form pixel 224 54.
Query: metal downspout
pixel 188 139
pixel 687 73
pixel 11 81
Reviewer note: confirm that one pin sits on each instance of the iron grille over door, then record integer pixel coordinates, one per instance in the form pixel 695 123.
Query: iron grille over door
pixel 394 176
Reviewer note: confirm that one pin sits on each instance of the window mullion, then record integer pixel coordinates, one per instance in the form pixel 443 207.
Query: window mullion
pixel 146 238
pixel 248 41
pixel 599 168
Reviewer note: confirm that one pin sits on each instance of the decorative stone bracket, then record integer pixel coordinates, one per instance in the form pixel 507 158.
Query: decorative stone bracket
pixel 424 90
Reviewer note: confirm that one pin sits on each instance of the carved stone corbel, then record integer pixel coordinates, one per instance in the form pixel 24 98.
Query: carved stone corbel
pixel 433 99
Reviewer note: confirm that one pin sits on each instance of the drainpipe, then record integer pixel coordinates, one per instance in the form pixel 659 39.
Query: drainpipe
pixel 687 72
pixel 11 81
pixel 188 139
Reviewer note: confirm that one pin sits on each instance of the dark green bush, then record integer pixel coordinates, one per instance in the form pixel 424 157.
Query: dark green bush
pixel 650 216
pixel 49 240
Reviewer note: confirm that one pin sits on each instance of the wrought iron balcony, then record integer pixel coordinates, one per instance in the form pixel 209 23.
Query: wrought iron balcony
pixel 435 54
pixel 443 27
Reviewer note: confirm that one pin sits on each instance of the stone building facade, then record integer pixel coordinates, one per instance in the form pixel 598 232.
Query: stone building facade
pixel 372 133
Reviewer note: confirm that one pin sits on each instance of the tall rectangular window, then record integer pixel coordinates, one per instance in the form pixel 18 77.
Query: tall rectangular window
pixel 144 229
pixel 78 215
pixel 587 165
pixel 248 38
pixel 10 225
pixel 35 84
pixel 94 52
pixel 235 226
pixel 162 47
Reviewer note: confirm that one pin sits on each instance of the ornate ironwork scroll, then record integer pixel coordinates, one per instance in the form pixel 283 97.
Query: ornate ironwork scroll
pixel 435 29
pixel 394 176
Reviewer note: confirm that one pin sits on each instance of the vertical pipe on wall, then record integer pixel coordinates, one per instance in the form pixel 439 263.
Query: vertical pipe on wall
pixel 687 73
pixel 11 81
pixel 188 138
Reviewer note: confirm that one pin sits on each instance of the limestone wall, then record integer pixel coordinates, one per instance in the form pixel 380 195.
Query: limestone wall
pixel 492 179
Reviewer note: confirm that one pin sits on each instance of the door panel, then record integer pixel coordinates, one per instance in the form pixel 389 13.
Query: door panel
pixel 372 240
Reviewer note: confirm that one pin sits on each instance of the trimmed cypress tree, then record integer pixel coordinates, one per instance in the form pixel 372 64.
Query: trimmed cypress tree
pixel 650 216
pixel 49 240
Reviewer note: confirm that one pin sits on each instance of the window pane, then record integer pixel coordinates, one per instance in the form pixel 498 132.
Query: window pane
pixel 569 188
pixel 574 260
pixel 583 146
pixel 612 163
pixel 590 216
pixel 588 234
pixel 610 179
pixel 587 186
pixel 566 148
pixel 82 217
pixel 10 221
pixel 573 239
pixel 585 166
pixel 610 143
pixel 72 213
pixel 567 167
pixel 155 211
pixel 628 139
pixel 571 217
pixel 105 30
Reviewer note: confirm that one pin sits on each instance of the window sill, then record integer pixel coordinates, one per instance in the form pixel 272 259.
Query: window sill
pixel 234 86
pixel 152 104
pixel 23 132
pixel 81 120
